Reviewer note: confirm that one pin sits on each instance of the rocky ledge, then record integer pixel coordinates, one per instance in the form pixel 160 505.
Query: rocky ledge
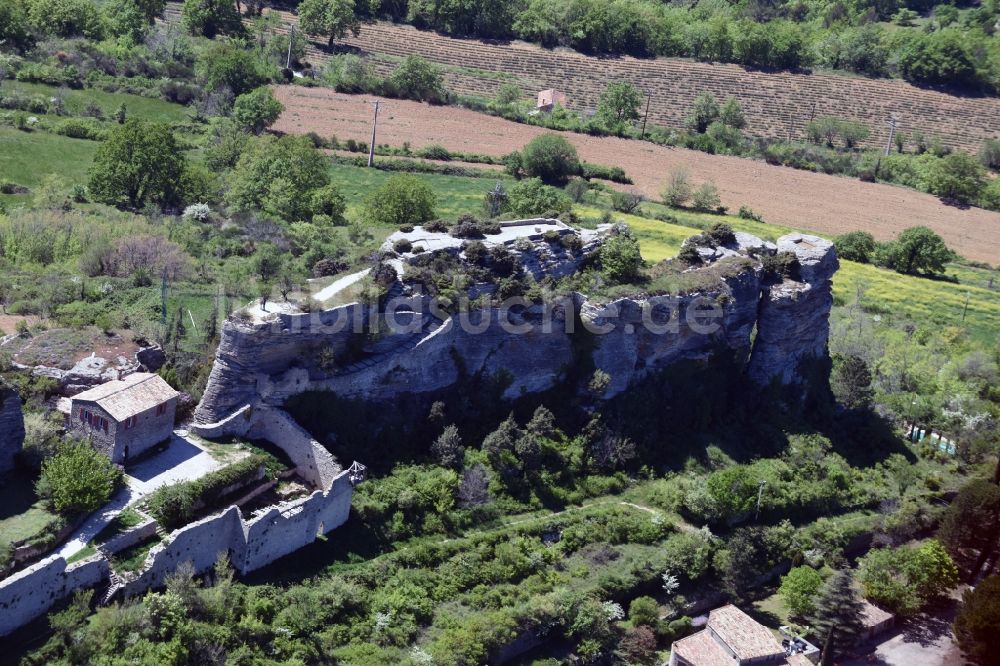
pixel 737 285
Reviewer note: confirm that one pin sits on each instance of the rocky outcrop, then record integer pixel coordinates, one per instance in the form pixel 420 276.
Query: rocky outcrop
pixel 533 346
pixel 793 324
pixel 11 427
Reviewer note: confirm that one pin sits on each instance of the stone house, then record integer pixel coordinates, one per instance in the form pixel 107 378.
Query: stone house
pixel 126 417
pixel 547 99
pixel 733 638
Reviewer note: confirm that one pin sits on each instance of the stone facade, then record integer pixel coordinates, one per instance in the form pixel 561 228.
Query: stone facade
pixel 11 428
pixel 125 418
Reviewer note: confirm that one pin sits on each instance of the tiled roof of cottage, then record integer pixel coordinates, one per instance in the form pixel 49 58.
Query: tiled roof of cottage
pixel 742 634
pixel 130 396
pixel 745 636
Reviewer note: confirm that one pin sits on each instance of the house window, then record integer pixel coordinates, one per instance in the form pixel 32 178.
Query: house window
pixel 161 409
pixel 130 422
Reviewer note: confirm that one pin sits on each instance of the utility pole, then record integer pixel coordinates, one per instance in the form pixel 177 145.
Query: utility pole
pixel 371 148
pixel 646 116
pixel 892 132
pixel 291 38
pixel 760 493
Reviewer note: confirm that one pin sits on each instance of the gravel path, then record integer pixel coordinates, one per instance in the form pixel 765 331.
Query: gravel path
pixel 801 199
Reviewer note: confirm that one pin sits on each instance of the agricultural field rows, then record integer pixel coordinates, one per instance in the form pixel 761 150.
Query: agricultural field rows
pixel 821 203
pixel 777 104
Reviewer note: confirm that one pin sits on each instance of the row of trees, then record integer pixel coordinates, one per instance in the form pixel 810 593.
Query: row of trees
pixel 916 250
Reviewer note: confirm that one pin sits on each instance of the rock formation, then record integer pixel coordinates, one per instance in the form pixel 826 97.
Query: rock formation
pixel 425 349
pixel 11 427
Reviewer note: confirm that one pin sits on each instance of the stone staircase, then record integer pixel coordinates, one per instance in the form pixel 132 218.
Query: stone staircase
pixel 108 594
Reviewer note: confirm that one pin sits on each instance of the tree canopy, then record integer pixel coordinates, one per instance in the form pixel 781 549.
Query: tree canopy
pixel 332 19
pixel 139 163
pixel 78 479
pixel 977 626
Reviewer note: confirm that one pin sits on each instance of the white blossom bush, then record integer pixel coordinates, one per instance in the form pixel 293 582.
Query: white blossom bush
pixel 670 583
pixel 613 610
pixel 198 212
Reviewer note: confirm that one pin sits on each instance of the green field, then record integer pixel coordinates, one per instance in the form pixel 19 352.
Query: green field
pixel 30 156
pixel 76 101
pixel 456 195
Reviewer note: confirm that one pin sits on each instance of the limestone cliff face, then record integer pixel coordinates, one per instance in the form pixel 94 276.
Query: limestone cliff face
pixel 793 324
pixel 11 427
pixel 534 346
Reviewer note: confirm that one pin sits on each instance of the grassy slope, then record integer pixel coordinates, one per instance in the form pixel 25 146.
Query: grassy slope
pixel 76 100
pixel 30 156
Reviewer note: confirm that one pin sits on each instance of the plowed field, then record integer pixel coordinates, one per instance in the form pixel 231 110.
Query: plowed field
pixel 825 204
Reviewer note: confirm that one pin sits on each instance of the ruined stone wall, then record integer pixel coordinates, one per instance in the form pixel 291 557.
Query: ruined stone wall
pixel 27 594
pixel 11 428
pixel 250 543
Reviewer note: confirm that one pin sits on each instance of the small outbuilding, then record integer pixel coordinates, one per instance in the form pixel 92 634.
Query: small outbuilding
pixel 876 621
pixel 126 417
pixel 547 99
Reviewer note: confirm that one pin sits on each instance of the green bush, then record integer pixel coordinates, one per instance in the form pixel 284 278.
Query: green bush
pixel 531 198
pixel 551 158
pixel 257 110
pixel 417 79
pixel 81 128
pixel 173 506
pixel 403 199
pixel 78 479
pixel 855 246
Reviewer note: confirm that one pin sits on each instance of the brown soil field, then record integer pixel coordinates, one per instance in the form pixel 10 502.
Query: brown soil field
pixel 825 204
pixel 777 104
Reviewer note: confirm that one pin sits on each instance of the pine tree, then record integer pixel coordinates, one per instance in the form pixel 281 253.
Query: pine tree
pixel 839 610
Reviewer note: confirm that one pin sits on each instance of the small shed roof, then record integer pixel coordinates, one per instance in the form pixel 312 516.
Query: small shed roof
pixel 874 616
pixel 130 396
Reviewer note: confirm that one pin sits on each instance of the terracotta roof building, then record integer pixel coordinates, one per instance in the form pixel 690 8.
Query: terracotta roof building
pixel 732 638
pixel 126 417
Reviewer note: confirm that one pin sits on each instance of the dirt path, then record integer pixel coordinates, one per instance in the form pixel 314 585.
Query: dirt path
pixel 826 204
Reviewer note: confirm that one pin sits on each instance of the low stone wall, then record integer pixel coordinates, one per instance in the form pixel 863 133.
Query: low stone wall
pixel 29 593
pixel 129 537
pixel 250 543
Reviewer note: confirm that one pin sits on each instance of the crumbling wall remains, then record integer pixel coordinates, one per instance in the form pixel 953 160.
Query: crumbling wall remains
pixel 11 428
pixel 250 543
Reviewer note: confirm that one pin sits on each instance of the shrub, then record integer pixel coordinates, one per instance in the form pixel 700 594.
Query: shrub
pixel 257 110
pixel 620 256
pixel 989 154
pixel 80 128
pixel 403 199
pixel 958 177
pixel 78 479
pixel 977 626
pixel 704 112
pixel 418 79
pixel 678 188
pixel 551 158
pixel 434 152
pixel 626 202
pixel 530 198
pixel 706 198
pixel 721 233
pixel 855 246
pixel 402 245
